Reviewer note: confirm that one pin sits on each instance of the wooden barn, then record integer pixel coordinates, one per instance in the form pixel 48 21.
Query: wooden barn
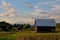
pixel 45 25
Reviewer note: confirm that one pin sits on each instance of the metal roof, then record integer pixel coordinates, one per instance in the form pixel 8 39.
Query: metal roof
pixel 45 22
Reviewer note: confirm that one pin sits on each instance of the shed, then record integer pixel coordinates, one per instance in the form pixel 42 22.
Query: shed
pixel 45 25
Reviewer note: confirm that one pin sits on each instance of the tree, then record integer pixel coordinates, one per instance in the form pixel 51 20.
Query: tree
pixel 5 26
pixel 26 26
pixel 18 26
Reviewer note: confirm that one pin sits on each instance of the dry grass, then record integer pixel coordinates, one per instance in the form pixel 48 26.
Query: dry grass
pixel 39 36
pixel 29 36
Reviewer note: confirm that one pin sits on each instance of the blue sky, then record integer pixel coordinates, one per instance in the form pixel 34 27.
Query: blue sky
pixel 30 8
pixel 21 4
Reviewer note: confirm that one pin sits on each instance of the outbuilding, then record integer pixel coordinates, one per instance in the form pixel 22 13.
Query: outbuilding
pixel 45 25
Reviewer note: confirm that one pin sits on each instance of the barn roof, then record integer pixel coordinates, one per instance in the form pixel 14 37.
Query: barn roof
pixel 45 22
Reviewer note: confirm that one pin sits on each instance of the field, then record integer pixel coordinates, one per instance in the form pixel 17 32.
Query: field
pixel 26 35
pixel 30 35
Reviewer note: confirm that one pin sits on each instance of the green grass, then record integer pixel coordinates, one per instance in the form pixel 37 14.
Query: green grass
pixel 29 35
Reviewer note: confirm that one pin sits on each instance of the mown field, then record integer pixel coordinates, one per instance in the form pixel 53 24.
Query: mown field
pixel 26 35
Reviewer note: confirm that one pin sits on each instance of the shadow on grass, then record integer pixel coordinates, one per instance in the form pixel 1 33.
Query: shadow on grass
pixel 48 32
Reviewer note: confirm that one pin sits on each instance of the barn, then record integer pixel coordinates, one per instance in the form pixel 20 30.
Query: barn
pixel 45 25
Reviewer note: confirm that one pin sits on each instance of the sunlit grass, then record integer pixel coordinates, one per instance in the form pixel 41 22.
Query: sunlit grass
pixel 29 35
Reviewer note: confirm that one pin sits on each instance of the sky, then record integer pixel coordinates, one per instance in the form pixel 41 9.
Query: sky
pixel 19 11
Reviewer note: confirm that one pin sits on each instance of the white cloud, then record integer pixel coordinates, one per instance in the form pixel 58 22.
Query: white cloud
pixel 9 10
pixel 57 0
pixel 10 15
pixel 17 20
pixel 4 14
pixel 36 7
pixel 8 6
pixel 38 10
pixel 56 17
pixel 37 13
pixel 46 3
pixel 40 14
pixel 56 8
pixel 29 5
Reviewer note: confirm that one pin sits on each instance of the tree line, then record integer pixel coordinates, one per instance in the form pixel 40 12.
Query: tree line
pixel 4 26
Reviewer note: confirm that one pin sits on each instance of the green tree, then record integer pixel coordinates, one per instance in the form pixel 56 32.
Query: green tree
pixel 5 26
pixel 26 26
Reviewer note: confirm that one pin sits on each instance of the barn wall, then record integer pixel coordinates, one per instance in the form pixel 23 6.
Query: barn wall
pixel 45 28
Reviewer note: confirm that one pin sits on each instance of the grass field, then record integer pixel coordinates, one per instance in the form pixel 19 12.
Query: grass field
pixel 30 35
pixel 26 35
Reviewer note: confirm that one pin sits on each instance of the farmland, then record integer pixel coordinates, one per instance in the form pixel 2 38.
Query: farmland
pixel 26 35
pixel 30 35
